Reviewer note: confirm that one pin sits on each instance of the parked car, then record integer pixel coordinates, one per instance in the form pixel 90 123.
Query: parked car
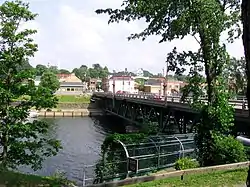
pixel 122 92
pixel 119 92
pixel 155 97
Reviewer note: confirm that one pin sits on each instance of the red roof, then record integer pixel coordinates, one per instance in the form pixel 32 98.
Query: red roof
pixel 62 75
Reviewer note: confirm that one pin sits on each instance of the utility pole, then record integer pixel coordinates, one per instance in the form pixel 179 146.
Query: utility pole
pixel 166 84
pixel 113 91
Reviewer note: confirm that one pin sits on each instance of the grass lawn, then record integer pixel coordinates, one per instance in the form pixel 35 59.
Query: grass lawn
pixel 218 178
pixel 18 179
pixel 67 98
pixel 73 99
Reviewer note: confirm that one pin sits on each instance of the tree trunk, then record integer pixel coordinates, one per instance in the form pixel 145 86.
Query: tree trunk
pixel 245 6
pixel 205 52
pixel 5 150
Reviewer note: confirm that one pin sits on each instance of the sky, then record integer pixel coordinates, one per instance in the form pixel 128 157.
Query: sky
pixel 71 34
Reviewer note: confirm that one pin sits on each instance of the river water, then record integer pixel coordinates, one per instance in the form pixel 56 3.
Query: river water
pixel 81 139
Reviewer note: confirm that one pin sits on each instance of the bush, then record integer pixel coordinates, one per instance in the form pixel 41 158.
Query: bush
pixel 186 163
pixel 228 150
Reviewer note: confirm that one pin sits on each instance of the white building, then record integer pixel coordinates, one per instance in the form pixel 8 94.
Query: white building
pixel 122 84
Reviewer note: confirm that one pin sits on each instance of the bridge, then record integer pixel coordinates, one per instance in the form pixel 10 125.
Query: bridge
pixel 171 114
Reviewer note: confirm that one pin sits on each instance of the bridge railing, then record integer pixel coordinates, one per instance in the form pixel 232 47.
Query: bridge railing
pixel 238 104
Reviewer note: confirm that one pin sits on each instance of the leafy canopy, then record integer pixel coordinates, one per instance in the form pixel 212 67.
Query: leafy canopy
pixel 49 80
pixel 205 20
pixel 22 142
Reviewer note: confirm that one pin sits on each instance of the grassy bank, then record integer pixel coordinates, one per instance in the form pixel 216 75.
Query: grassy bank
pixel 219 178
pixel 73 99
pixel 12 179
pixel 66 98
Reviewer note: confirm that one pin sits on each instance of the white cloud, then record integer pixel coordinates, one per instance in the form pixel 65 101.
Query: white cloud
pixel 75 35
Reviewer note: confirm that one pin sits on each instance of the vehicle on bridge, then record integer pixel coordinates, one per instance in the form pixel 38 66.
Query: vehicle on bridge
pixel 122 92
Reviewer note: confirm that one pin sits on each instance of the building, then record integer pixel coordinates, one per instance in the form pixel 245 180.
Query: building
pixel 94 83
pixel 121 84
pixel 62 77
pixel 71 85
pixel 156 86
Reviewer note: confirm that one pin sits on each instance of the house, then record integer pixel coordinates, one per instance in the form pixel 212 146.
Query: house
pixel 173 87
pixel 93 83
pixel 71 85
pixel 156 86
pixel 120 84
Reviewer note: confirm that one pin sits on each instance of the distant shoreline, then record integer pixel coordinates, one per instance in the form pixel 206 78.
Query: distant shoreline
pixel 70 113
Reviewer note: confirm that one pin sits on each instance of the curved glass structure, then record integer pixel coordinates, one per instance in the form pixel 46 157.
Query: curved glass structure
pixel 152 153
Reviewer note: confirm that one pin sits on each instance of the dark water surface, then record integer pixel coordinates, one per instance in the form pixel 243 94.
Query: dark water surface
pixel 81 140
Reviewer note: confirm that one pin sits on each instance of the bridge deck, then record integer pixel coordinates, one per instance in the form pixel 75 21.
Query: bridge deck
pixel 173 102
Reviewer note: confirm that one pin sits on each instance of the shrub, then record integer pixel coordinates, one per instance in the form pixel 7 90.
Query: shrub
pixel 186 163
pixel 228 150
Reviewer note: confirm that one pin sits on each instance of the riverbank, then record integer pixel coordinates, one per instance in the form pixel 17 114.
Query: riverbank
pixel 219 175
pixel 70 113
pixel 70 105
pixel 234 178
pixel 13 179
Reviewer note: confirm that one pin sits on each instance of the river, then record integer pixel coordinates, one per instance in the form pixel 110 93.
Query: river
pixel 81 139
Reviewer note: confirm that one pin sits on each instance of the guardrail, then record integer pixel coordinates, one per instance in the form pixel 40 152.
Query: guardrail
pixel 238 104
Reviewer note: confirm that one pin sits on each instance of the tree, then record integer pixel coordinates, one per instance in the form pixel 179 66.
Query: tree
pixel 40 69
pixel 54 69
pixel 50 80
pixel 234 72
pixel 94 73
pixel 245 7
pixel 64 71
pixel 82 73
pixel 21 143
pixel 205 21
pixel 97 66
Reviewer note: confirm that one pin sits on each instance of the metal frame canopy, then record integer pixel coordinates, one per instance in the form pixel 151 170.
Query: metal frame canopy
pixel 154 152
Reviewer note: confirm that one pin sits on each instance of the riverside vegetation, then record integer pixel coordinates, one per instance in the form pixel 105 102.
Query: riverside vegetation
pixel 205 21
pixel 21 143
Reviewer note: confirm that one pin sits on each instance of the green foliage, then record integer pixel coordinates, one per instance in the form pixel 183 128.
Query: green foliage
pixel 150 128
pixel 126 138
pixel 17 179
pixel 186 163
pixel 228 150
pixel 84 73
pixel 22 143
pixel 60 179
pixel 235 73
pixel 235 177
pixel 50 81
pixel 217 119
pixel 205 21
pixel 245 12
pixel 112 154
pixel 41 69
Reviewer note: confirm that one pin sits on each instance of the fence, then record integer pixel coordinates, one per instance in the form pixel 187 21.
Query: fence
pixel 151 153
